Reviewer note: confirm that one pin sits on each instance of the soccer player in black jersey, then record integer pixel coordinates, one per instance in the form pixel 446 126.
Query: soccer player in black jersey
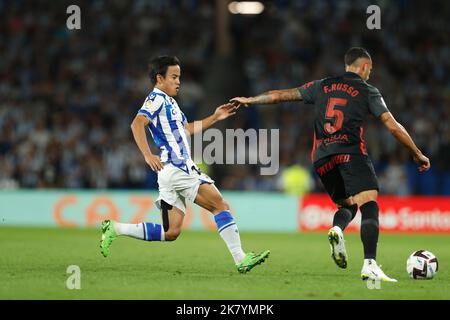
pixel 339 155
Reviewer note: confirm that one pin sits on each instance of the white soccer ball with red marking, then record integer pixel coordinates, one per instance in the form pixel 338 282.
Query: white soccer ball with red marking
pixel 422 264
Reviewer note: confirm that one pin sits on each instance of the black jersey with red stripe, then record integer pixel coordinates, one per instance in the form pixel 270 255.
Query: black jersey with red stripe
pixel 341 105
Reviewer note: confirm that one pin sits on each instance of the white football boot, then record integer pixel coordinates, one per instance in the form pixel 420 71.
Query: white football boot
pixel 371 271
pixel 337 243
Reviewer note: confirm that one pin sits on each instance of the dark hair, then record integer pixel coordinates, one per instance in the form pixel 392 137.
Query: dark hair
pixel 354 54
pixel 159 65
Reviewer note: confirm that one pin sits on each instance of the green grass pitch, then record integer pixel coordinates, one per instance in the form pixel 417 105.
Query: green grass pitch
pixel 33 264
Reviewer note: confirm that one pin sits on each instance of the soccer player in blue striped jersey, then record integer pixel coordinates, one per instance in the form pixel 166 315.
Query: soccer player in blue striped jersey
pixel 179 179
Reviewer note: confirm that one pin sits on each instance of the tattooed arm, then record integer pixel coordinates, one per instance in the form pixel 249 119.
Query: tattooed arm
pixel 269 97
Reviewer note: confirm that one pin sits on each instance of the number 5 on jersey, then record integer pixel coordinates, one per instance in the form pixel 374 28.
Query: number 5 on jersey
pixel 337 116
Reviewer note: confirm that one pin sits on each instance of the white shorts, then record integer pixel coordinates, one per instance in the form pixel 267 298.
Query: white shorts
pixel 176 185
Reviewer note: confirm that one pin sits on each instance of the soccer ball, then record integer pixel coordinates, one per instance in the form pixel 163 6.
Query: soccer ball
pixel 422 264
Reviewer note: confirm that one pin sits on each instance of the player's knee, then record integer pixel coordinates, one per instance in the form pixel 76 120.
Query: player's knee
pixel 172 234
pixel 365 197
pixel 345 202
pixel 364 201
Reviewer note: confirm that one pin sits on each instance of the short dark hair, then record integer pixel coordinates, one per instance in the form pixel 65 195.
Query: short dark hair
pixel 354 54
pixel 160 64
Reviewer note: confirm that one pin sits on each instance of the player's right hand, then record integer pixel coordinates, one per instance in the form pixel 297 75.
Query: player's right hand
pixel 422 162
pixel 238 101
pixel 154 162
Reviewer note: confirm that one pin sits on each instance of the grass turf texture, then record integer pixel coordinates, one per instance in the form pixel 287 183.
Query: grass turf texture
pixel 33 265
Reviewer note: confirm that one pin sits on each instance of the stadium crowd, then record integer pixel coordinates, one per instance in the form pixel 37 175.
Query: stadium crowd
pixel 68 96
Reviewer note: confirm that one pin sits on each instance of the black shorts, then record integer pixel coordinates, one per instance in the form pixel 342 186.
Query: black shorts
pixel 345 175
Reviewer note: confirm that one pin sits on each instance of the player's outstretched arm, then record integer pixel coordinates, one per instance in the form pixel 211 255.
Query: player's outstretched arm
pixel 400 133
pixel 138 129
pixel 221 113
pixel 269 97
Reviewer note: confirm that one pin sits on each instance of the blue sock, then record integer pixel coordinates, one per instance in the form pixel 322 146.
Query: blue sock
pixel 230 234
pixel 224 220
pixel 153 232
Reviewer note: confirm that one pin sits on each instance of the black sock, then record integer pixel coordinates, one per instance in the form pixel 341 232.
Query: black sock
pixel 369 229
pixel 344 216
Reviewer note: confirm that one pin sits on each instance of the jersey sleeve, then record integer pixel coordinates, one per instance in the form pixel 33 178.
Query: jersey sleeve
pixel 152 106
pixel 183 118
pixel 377 106
pixel 308 91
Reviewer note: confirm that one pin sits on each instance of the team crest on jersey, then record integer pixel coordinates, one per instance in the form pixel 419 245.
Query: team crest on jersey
pixel 148 103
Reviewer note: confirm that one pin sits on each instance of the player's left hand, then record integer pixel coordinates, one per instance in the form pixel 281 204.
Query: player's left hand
pixel 224 111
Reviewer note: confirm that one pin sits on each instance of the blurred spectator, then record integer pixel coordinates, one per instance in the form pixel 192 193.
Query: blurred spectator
pixel 68 97
pixel 295 180
pixel 393 179
pixel 298 41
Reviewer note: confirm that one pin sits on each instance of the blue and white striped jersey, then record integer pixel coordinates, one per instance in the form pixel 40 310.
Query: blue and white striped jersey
pixel 167 127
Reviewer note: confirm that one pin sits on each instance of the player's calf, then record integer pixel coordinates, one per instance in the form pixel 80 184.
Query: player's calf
pixel 344 216
pixel 148 231
pixel 172 234
pixel 221 205
pixel 209 198
pixel 369 228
